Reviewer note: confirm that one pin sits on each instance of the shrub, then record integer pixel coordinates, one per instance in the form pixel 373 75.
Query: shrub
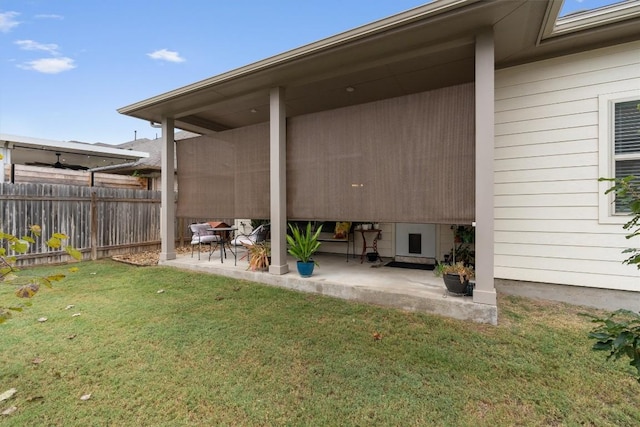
pixel 619 334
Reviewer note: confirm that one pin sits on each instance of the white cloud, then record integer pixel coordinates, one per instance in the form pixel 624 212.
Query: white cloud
pixel 51 48
pixel 49 65
pixel 166 55
pixel 7 21
pixel 49 16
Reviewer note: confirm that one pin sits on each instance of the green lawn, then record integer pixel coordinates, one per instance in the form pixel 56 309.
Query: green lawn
pixel 216 351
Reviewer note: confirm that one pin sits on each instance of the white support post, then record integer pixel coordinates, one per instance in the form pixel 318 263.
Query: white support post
pixel 278 184
pixel 168 200
pixel 485 292
pixel 5 151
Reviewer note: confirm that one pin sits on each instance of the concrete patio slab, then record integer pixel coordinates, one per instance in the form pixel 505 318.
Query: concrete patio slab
pixel 373 283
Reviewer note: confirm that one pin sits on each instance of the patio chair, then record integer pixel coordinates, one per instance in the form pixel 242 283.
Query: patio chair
pixel 259 234
pixel 202 234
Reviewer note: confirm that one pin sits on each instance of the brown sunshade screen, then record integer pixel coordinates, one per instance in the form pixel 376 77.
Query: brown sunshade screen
pixel 226 176
pixel 251 170
pixel 406 159
pixel 205 178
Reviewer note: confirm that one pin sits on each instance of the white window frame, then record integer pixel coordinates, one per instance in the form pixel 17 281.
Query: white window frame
pixel 607 159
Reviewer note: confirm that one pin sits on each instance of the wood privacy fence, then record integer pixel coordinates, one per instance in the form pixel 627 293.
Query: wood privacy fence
pixel 100 222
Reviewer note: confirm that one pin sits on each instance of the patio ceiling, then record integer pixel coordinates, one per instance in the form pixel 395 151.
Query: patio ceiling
pixel 425 48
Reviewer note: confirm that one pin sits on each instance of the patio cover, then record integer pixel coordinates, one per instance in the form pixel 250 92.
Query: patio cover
pixel 443 44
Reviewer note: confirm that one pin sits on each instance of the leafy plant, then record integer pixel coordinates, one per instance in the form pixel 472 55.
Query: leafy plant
pixel 27 286
pixel 439 268
pixel 463 233
pixel 619 334
pixel 303 244
pixel 463 237
pixel 259 254
pixel 627 192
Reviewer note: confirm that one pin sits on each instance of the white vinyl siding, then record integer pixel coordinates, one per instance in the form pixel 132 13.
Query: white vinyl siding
pixel 548 158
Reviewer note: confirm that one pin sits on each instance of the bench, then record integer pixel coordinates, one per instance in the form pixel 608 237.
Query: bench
pixel 328 232
pixel 328 238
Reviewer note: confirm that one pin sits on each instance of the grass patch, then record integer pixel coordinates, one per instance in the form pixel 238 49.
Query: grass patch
pixel 213 350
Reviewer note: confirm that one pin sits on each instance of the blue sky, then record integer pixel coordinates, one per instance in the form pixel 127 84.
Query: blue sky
pixel 67 65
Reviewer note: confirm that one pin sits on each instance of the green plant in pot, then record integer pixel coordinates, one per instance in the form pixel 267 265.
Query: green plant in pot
pixel 456 277
pixel 302 245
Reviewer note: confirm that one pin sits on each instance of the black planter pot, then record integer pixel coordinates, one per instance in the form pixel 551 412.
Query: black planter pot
pixel 453 284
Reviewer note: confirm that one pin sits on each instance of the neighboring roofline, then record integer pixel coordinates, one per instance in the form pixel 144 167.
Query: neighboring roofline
pixel 431 9
pixel 71 147
pixel 555 26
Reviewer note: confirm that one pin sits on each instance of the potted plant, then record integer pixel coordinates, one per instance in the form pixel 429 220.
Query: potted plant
pixel 259 256
pixel 302 245
pixel 463 246
pixel 456 277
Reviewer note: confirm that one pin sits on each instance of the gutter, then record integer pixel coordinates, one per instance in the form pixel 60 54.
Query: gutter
pixel 113 167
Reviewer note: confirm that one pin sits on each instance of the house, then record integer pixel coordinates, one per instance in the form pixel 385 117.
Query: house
pixel 495 114
pixel 147 167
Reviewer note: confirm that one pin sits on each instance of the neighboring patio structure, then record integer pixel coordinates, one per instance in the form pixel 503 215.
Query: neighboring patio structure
pixel 456 112
pixel 71 155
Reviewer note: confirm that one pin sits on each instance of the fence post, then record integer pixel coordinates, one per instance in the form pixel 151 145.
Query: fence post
pixel 94 226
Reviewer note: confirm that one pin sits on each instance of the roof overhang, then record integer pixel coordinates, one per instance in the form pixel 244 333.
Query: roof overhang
pixel 25 150
pixel 605 26
pixel 424 48
pixel 606 16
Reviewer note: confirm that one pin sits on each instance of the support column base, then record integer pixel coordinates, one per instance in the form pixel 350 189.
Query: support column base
pixel 485 297
pixel 279 269
pixel 165 256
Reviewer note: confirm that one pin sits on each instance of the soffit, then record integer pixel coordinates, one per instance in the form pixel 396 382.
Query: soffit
pixel 408 53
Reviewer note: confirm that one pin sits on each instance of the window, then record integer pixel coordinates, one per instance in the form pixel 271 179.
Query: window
pixel 626 143
pixel 618 148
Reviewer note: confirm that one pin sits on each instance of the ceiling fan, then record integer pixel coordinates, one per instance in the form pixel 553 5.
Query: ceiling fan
pixel 58 164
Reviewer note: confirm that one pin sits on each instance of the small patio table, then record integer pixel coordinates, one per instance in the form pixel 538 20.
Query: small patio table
pixel 226 235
